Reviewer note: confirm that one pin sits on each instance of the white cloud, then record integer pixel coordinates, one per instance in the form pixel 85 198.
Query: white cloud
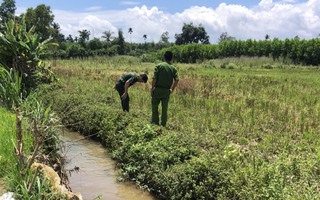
pixel 94 8
pixel 281 20
pixel 129 3
pixel 266 4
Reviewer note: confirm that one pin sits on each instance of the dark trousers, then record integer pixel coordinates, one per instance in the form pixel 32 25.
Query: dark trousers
pixel 160 95
pixel 124 102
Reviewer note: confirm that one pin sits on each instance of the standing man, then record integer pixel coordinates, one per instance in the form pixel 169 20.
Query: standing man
pixel 123 84
pixel 165 80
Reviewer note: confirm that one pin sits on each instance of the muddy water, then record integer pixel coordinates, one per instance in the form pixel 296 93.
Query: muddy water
pixel 97 175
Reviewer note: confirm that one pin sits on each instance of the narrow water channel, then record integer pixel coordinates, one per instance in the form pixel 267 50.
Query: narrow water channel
pixel 97 175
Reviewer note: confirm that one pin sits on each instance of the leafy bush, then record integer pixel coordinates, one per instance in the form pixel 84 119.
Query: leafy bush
pixel 22 50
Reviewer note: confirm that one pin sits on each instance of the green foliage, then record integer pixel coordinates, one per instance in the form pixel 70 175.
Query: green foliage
pixel 192 34
pixel 7 138
pixel 75 50
pixel 42 123
pixel 41 189
pixel 289 51
pixel 18 177
pixel 39 138
pixel 40 19
pixel 120 42
pixel 83 36
pixel 22 51
pixel 7 11
pixel 198 178
pixel 10 88
pixel 22 70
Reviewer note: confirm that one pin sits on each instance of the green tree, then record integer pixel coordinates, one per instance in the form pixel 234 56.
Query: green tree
pixel 7 10
pixel 75 50
pixel 83 37
pixel 225 37
pixel 70 38
pixel 95 44
pixel 164 37
pixel 120 42
pixel 107 35
pixel 56 34
pixel 42 19
pixel 192 34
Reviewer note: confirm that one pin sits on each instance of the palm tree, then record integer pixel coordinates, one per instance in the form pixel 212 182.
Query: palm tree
pixel 145 37
pixel 267 37
pixel 107 35
pixel 130 31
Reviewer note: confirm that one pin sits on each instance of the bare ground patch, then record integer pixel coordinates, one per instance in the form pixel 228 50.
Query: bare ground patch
pixel 2 188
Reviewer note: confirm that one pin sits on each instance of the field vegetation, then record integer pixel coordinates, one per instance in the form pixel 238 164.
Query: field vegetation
pixel 27 133
pixel 239 128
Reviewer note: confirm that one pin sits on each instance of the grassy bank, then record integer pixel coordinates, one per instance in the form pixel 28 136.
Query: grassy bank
pixel 7 124
pixel 8 160
pixel 238 129
pixel 7 138
pixel 15 173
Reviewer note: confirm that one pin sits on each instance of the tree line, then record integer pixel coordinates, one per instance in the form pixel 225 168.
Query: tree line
pixel 191 45
pixel 296 51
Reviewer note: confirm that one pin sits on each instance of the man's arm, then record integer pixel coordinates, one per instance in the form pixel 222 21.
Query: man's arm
pixel 126 87
pixel 174 85
pixel 153 85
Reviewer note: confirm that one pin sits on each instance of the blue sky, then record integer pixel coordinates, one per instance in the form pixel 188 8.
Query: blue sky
pixel 240 19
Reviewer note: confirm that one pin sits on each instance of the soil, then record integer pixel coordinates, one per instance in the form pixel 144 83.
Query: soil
pixel 2 188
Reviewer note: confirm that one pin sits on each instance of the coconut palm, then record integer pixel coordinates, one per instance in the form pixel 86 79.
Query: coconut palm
pixel 107 35
pixel 130 31
pixel 145 37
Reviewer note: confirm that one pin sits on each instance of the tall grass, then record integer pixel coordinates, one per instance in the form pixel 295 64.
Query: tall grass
pixel 8 140
pixel 28 131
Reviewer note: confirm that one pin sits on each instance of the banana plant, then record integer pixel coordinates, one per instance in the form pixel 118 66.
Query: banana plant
pixel 22 50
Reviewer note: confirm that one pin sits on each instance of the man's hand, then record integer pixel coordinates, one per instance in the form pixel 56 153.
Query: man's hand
pixel 124 96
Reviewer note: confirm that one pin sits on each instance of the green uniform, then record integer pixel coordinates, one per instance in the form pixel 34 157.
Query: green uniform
pixel 164 75
pixel 133 78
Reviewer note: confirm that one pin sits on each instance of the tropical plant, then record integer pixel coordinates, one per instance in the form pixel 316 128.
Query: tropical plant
pixel 83 37
pixel 107 35
pixel 22 51
pixel 10 88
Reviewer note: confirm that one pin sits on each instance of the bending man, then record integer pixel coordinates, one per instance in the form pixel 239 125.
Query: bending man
pixel 123 84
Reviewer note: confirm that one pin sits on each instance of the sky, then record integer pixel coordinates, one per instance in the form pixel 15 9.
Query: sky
pixel 247 19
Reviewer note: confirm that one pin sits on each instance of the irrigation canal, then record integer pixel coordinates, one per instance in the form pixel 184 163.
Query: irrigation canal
pixel 97 175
